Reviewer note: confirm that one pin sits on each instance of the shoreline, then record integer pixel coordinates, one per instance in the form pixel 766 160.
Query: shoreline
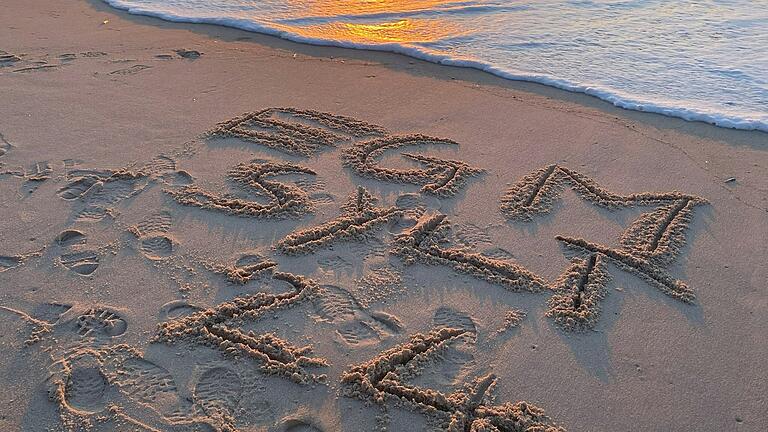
pixel 605 95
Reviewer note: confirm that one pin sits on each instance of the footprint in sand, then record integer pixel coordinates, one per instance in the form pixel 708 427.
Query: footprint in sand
pixel 218 391
pixel 315 188
pixel 380 282
pixel 158 222
pixel 299 426
pixel 8 262
pixel 5 146
pixel 156 247
pixel 358 333
pixel 50 312
pixel 188 54
pixel 34 176
pixel 133 70
pixel 301 421
pixel 177 309
pixel 311 184
pixel 78 187
pixel 152 233
pixel 69 238
pixel 453 364
pixel 417 203
pixel 91 379
pixel 178 178
pixel 8 59
pixel 145 381
pixel 100 190
pixel 498 254
pixel 451 318
pixel 333 263
pixel 86 386
pixel 322 198
pixel 100 323
pixel 471 235
pixel 83 263
pixel 110 192
pixel 159 165
pixel 355 325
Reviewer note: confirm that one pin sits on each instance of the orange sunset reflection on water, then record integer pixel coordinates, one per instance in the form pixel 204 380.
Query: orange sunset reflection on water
pixel 372 22
pixel 359 7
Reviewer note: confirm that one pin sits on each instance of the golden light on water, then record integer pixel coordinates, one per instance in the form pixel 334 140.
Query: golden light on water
pixel 358 7
pixel 401 31
pixel 378 29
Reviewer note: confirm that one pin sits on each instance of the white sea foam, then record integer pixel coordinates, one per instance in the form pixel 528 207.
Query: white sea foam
pixel 704 61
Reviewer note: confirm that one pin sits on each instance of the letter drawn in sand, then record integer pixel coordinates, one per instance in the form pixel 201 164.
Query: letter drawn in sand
pixel 284 200
pixel 441 177
pixel 467 409
pixel 359 218
pixel 423 243
pixel 647 246
pixel 535 193
pixel 293 131
pixel 218 327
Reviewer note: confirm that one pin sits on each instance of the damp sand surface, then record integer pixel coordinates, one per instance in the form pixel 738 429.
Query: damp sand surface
pixel 205 229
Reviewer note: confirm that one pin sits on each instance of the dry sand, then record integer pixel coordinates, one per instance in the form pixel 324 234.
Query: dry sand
pixel 402 246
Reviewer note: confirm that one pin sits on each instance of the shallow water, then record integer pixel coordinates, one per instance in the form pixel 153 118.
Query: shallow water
pixel 698 60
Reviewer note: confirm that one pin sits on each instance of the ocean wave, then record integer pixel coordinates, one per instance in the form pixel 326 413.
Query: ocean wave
pixel 652 80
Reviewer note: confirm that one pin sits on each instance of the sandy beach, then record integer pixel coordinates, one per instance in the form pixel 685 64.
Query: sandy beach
pixel 205 229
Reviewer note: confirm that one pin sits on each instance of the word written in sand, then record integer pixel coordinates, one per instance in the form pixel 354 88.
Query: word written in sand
pixel 466 409
pixel 441 177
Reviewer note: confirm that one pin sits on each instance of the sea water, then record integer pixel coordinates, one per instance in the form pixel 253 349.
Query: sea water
pixel 698 60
